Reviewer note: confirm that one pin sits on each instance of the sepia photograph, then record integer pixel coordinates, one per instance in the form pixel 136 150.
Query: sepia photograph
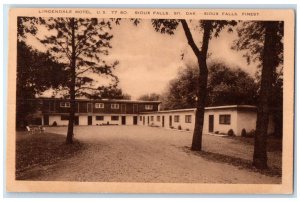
pixel 186 101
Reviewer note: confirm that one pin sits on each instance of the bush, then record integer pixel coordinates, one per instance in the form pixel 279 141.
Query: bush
pixel 179 127
pixel 54 123
pixel 251 133
pixel 230 133
pixel 216 132
pixel 244 133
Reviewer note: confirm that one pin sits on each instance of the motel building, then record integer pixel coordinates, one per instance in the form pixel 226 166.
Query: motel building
pixel 217 120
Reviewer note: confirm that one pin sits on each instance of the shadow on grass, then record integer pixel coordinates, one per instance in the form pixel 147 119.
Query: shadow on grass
pixel 235 161
pixel 37 151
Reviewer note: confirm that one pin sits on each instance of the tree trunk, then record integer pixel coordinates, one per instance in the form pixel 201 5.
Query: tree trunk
pixel 70 133
pixel 199 119
pixel 268 66
pixel 202 88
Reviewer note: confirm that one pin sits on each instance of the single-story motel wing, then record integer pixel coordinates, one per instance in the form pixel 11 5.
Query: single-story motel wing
pixel 217 119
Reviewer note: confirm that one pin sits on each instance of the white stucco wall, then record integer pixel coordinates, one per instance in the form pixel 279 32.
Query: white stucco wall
pixel 221 128
pixel 57 119
pixel 166 115
pixel 83 120
pixel 246 120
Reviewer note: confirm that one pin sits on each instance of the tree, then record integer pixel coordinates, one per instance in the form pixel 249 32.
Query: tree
pixel 149 97
pixel 226 86
pixel 81 45
pixel 181 92
pixel 36 72
pixel 230 86
pixel 210 28
pixel 110 92
pixel 263 42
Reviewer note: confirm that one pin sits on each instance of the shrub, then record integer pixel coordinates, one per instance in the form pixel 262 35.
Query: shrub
pixel 244 133
pixel 216 132
pixel 251 133
pixel 179 127
pixel 230 133
pixel 54 123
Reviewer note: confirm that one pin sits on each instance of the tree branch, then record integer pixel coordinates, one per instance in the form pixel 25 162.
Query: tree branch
pixel 189 37
pixel 84 70
pixel 207 26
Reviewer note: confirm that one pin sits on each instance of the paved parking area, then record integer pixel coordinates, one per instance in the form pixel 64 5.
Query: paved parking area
pixel 149 154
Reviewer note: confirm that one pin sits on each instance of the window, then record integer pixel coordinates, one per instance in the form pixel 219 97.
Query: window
pixel 176 118
pixel 99 105
pixel 114 118
pixel 152 118
pixel 188 118
pixel 115 106
pixel 224 119
pixel 65 104
pixel 64 117
pixel 141 118
pixel 158 118
pixel 148 107
pixel 99 118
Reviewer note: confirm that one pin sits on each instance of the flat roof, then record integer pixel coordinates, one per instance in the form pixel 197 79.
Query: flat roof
pixel 232 107
pixel 206 108
pixel 98 100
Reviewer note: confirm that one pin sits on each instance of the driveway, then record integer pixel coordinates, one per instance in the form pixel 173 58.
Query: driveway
pixel 148 154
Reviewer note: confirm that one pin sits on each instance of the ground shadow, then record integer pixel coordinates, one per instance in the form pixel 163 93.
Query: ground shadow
pixel 235 161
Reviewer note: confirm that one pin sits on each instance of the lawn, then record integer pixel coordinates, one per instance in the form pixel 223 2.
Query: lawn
pixel 41 150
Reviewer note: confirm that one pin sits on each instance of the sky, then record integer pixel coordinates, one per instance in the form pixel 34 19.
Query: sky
pixel 148 60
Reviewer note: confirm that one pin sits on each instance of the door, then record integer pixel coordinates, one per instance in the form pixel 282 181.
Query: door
pixel 46 120
pixel 143 120
pixel 123 108
pixel 148 120
pixel 123 120
pixel 76 121
pixel 135 120
pixel 170 121
pixel 90 120
pixel 211 124
pixel 163 121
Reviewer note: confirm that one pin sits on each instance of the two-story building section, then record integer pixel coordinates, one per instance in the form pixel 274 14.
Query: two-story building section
pixel 94 112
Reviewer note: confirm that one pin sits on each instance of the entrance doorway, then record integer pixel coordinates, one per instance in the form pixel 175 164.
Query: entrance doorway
pixel 76 121
pixel 163 121
pixel 90 120
pixel 135 120
pixel 211 124
pixel 46 120
pixel 143 120
pixel 123 120
pixel 170 121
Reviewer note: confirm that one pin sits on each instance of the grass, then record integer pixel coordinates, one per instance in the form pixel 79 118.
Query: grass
pixel 235 161
pixel 41 150
pixel 274 148
pixel 273 143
